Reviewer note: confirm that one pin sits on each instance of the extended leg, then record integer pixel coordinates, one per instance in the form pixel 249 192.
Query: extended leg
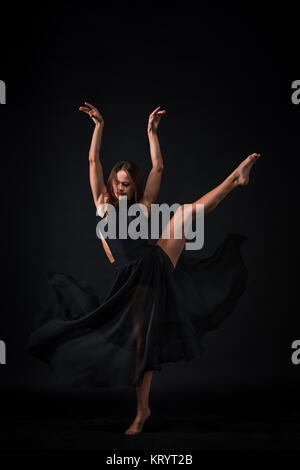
pixel 239 177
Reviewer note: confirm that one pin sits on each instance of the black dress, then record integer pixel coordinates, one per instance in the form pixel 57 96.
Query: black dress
pixel 153 314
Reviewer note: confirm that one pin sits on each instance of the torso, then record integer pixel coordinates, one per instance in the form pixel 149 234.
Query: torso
pixel 104 242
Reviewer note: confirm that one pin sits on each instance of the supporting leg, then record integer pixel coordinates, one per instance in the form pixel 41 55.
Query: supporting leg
pixel 143 410
pixel 142 393
pixel 141 311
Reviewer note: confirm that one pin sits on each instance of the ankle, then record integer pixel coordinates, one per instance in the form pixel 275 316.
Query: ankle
pixel 235 178
pixel 143 411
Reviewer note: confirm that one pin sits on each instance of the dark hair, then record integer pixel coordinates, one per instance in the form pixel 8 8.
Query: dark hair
pixel 135 177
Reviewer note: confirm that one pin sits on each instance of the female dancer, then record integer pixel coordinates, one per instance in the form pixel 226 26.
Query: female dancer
pixel 124 185
pixel 153 313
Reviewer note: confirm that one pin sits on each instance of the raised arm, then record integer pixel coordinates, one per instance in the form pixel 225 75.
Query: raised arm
pixel 154 178
pixel 95 167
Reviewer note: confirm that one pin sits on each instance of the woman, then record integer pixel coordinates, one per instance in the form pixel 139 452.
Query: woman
pixel 153 313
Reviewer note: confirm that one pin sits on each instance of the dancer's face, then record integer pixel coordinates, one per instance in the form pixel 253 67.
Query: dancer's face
pixel 122 185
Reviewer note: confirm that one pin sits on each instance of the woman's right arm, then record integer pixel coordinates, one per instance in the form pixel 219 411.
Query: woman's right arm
pixel 95 167
pixel 96 171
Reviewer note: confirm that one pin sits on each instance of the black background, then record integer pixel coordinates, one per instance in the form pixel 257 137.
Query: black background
pixel 224 76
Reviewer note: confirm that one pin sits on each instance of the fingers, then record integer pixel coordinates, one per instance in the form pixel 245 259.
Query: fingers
pixel 87 109
pixel 84 109
pixel 156 112
pixel 90 105
pixel 90 111
pixel 153 112
pixel 254 157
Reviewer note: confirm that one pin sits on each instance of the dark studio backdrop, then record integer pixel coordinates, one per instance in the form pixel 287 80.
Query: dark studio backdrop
pixel 223 77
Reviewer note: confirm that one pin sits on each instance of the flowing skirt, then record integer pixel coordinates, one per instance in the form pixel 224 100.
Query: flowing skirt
pixel 153 314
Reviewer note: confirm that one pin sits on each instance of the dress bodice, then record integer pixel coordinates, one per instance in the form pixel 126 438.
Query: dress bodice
pixel 124 250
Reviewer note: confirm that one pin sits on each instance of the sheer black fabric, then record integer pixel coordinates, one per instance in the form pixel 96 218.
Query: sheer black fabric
pixel 153 314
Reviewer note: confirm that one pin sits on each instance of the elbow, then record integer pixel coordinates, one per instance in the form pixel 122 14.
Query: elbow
pixel 94 155
pixel 93 158
pixel 159 168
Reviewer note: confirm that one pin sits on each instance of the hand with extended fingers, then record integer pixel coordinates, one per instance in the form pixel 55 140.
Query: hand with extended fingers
pixel 154 119
pixel 93 112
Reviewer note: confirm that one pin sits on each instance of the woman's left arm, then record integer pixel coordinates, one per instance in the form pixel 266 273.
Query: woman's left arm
pixel 154 179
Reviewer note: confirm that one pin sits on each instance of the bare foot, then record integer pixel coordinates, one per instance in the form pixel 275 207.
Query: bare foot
pixel 137 425
pixel 243 170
